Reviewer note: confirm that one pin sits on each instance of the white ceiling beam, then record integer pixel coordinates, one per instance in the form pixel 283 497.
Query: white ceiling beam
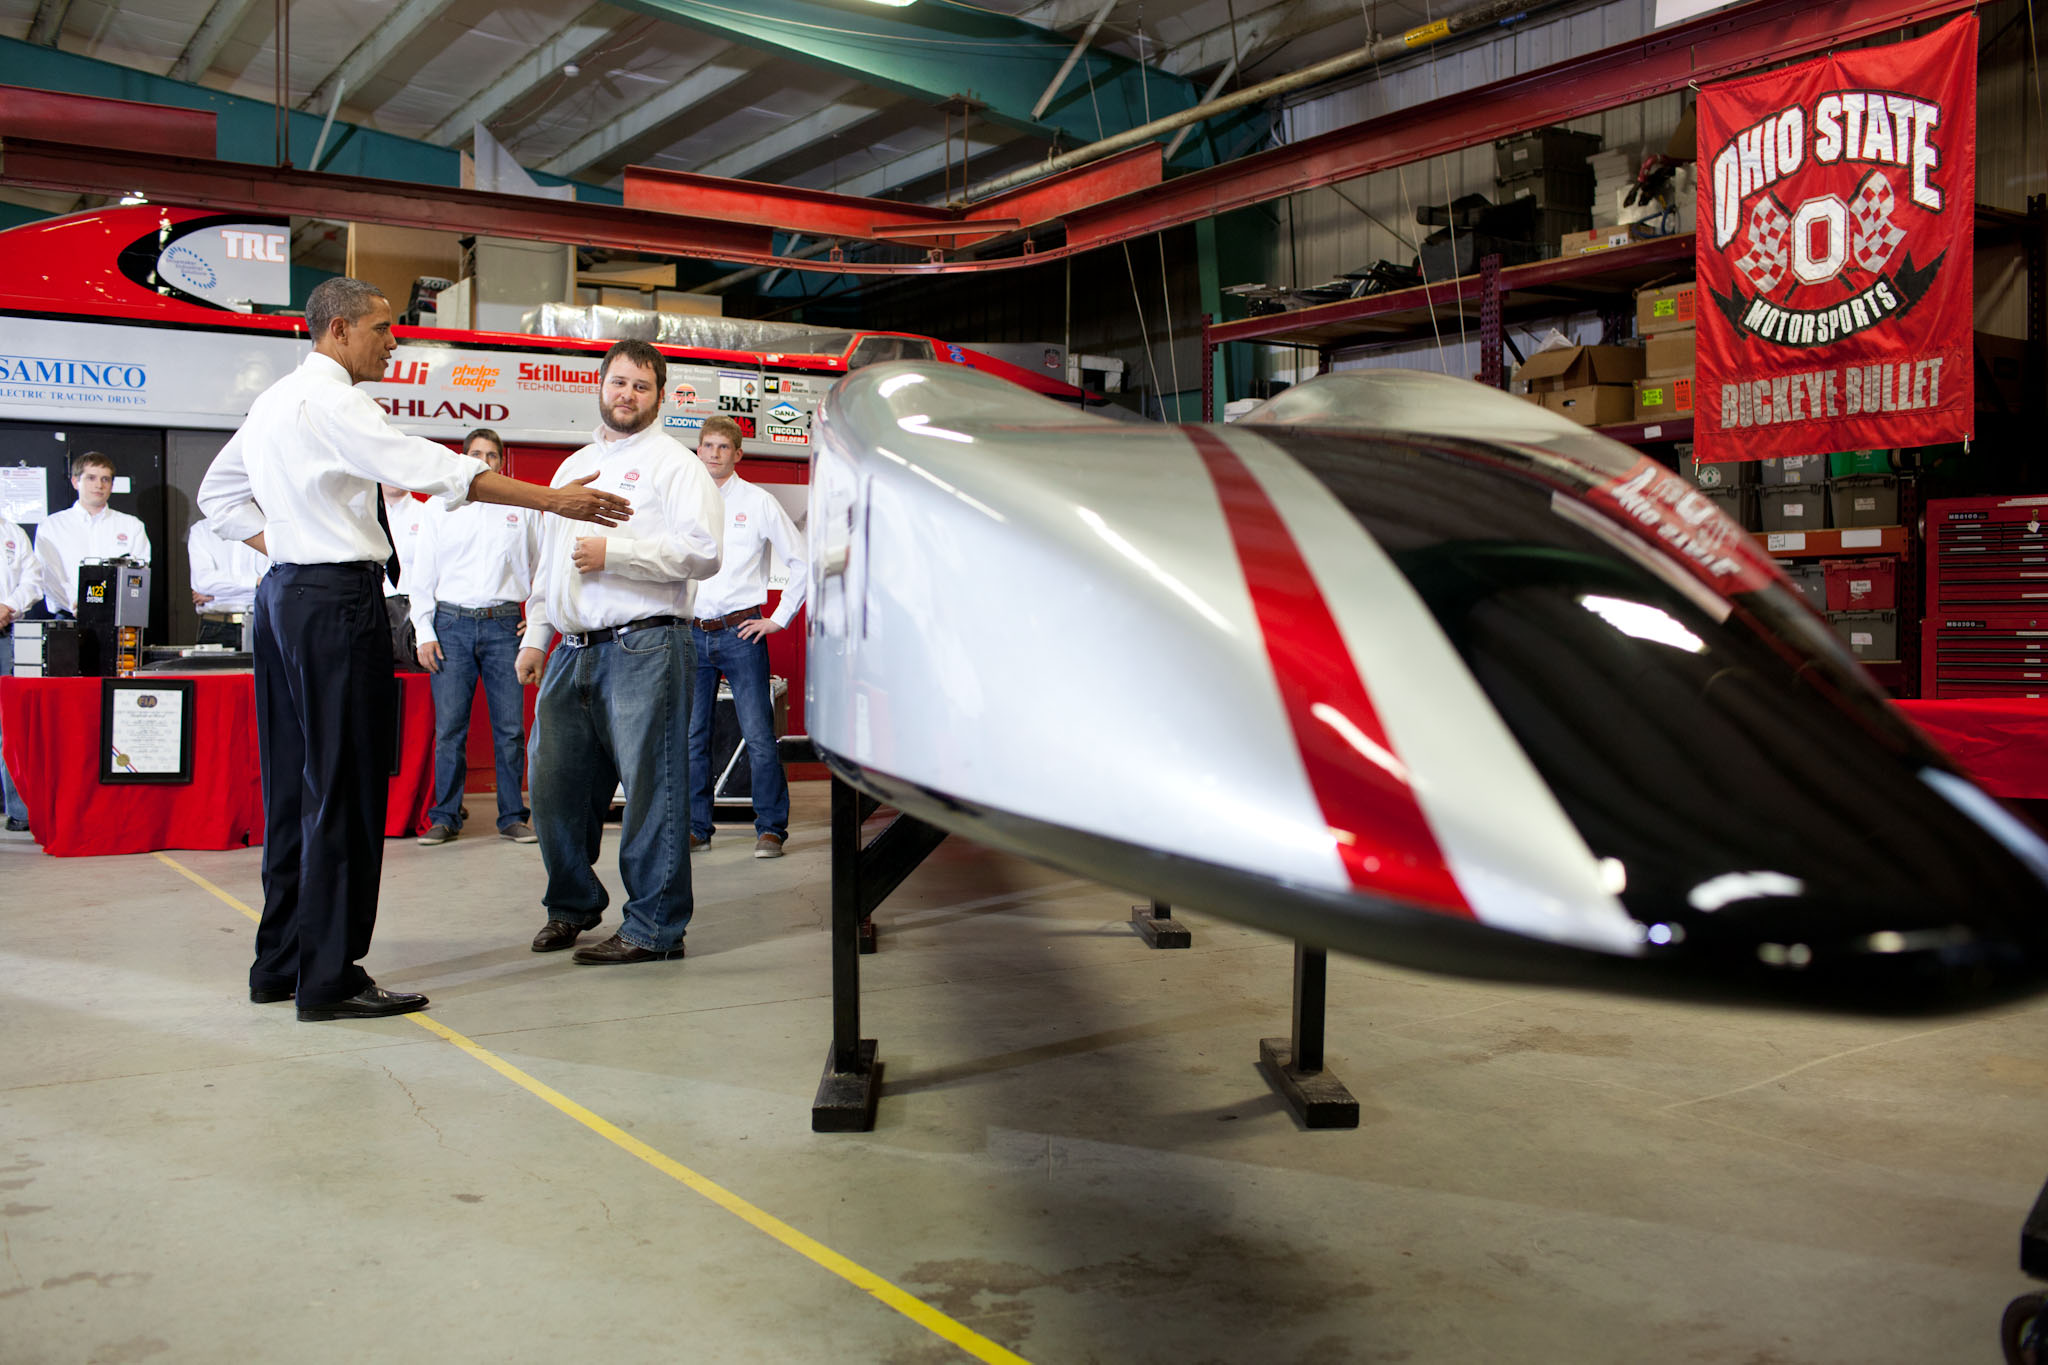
pixel 1258 33
pixel 49 22
pixel 393 35
pixel 820 125
pixel 729 66
pixel 209 38
pixel 585 32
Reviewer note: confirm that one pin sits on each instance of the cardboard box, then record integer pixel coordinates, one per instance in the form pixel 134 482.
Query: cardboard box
pixel 1661 399
pixel 624 296
pixel 1866 500
pixel 1598 239
pixel 1869 634
pixel 1812 582
pixel 631 274
pixel 393 257
pixel 1670 353
pixel 1796 469
pixel 1577 367
pixel 1595 405
pixel 1861 584
pixel 1665 309
pixel 1794 507
pixel 1544 149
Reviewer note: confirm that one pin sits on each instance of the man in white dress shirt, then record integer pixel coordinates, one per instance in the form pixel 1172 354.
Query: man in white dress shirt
pixel 21 583
pixel 730 636
pixel 224 578
pixel 88 529
pixel 615 703
pixel 472 569
pixel 298 482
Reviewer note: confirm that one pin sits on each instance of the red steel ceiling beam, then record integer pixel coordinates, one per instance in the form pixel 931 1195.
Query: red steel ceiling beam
pixel 54 116
pixel 1708 48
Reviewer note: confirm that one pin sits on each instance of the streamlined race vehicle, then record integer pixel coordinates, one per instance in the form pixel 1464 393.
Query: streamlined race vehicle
pixel 1399 666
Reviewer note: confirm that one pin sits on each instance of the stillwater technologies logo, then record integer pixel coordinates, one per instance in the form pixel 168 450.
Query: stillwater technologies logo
pixel 110 383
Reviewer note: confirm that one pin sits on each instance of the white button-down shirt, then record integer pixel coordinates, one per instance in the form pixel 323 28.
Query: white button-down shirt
pixel 653 561
pixel 72 536
pixel 227 571
pixel 755 526
pixel 21 572
pixel 305 466
pixel 407 517
pixel 477 555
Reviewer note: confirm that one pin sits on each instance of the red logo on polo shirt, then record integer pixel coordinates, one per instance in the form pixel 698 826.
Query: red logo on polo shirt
pixel 630 475
pixel 739 518
pixel 511 518
pixel 122 537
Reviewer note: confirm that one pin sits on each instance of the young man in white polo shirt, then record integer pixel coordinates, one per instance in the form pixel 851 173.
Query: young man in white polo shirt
pixel 88 529
pixel 731 637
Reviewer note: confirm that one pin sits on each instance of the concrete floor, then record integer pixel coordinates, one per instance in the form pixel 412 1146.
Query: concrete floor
pixel 1076 1157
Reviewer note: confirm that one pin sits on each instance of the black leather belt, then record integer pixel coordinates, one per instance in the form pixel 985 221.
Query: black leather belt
pixel 496 609
pixel 598 637
pixel 731 618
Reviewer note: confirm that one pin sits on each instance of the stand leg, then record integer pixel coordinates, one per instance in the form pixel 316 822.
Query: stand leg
pixel 1157 926
pixel 1295 1065
pixel 852 1084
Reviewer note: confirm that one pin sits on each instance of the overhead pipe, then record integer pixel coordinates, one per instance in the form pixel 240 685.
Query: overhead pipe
pixel 1492 15
pixel 1087 37
pixel 1229 68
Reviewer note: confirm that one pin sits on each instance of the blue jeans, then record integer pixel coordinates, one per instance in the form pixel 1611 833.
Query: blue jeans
pixel 745 665
pixel 618 711
pixel 473 647
pixel 9 796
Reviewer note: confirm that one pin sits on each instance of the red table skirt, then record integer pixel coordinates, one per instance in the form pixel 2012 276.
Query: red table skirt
pixel 52 732
pixel 2002 744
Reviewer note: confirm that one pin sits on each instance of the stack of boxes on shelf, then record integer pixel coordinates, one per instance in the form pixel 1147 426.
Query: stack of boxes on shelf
pixel 1664 320
pixel 1545 175
pixel 1593 385
pixel 1850 490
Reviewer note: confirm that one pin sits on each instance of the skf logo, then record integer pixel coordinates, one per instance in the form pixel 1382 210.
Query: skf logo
pixel 407 372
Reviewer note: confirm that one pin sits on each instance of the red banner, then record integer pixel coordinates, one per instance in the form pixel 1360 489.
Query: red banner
pixel 1837 199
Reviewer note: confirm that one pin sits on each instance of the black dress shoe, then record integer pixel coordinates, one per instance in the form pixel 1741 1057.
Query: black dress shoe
pixel 15 826
pixel 554 936
pixel 615 951
pixel 373 1002
pixel 259 997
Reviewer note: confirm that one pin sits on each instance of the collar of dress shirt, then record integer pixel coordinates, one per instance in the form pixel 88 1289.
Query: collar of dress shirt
pixel 318 366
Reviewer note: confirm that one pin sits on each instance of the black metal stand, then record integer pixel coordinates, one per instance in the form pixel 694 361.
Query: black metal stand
pixel 1295 1065
pixel 1157 926
pixel 861 879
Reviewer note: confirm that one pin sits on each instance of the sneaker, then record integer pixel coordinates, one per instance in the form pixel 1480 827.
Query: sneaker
pixel 437 834
pixel 698 845
pixel 768 846
pixel 519 832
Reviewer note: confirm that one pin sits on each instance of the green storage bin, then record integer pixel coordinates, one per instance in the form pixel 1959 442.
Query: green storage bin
pixel 1859 462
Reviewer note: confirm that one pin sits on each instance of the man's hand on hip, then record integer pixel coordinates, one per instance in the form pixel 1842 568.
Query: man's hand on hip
pixel 760 628
pixel 578 503
pixel 430 655
pixel 200 599
pixel 528 665
pixel 7 615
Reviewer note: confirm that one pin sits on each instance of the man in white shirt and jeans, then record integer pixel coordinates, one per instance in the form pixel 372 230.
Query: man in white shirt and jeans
pixel 730 636
pixel 21 583
pixel 615 703
pixel 224 578
pixel 298 482
pixel 88 529
pixel 471 571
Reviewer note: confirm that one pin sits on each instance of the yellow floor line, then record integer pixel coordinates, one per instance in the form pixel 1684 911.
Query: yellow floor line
pixel 909 1305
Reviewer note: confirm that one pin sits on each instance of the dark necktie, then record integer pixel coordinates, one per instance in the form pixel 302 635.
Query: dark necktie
pixel 391 564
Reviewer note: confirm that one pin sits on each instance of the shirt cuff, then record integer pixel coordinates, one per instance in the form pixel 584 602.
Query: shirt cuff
pixel 539 635
pixel 460 495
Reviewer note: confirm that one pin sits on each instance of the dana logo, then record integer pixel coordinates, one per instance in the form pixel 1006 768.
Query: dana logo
pixel 784 413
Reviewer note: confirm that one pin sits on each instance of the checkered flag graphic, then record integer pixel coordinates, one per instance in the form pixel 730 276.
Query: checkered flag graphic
pixel 1769 254
pixel 1873 236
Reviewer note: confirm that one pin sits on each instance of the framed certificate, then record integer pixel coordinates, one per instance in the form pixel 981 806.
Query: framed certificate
pixel 145 730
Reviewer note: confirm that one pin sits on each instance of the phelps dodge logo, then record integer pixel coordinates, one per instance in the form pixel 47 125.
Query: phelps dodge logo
pixel 1836 208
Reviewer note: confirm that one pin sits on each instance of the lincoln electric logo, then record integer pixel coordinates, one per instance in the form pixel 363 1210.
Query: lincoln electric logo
pixel 1822 247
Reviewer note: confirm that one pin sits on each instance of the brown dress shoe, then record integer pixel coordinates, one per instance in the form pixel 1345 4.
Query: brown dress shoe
pixel 768 846
pixel 615 951
pixel 554 936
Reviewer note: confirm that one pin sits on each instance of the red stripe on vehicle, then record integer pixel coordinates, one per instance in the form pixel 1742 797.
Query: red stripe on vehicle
pixel 1358 780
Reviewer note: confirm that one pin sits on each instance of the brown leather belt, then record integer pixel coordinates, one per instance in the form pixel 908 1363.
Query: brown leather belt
pixel 731 618
pixel 598 637
pixel 235 618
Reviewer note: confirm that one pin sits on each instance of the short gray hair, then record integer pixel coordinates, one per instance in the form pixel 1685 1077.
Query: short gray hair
pixel 340 297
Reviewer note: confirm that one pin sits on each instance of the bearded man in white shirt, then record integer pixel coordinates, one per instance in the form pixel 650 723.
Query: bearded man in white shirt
pixel 88 529
pixel 298 482
pixel 471 571
pixel 730 636
pixel 615 702
pixel 21 583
